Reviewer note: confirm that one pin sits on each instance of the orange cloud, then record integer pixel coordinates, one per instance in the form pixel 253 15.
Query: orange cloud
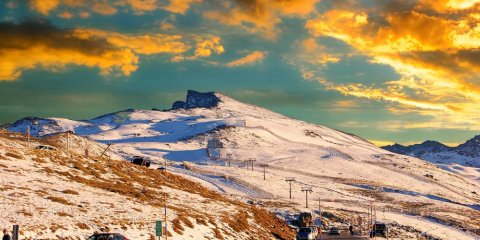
pixel 436 53
pixel 104 8
pixel 141 44
pixel 110 7
pixel 204 48
pixel 261 16
pixel 44 7
pixel 66 15
pixel 179 6
pixel 249 59
pixel 447 5
pixel 51 48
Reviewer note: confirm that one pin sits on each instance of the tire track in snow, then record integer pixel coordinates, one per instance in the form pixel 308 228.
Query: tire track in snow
pixel 331 151
pixel 222 183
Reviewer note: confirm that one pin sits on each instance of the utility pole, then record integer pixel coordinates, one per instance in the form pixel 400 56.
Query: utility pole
pixel 290 180
pixel 68 142
pixel 320 218
pixel 165 207
pixel 306 190
pixel 229 158
pixel 28 136
pixel 264 166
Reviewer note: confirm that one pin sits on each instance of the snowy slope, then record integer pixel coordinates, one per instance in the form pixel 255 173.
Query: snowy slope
pixel 463 159
pixel 344 170
pixel 60 195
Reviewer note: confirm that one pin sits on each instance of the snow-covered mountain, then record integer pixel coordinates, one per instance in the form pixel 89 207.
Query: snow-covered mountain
pixel 345 171
pixel 463 159
pixel 467 153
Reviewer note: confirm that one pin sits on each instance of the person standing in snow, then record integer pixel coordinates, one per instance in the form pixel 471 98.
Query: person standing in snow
pixel 351 229
pixel 6 236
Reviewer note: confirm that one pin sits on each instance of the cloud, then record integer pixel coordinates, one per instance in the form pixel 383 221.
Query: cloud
pixel 204 48
pixel 110 7
pixel 104 8
pixel 32 45
pixel 260 16
pixel 66 15
pixel 38 44
pixel 179 6
pixel 141 44
pixel 249 59
pixel 435 50
pixel 44 7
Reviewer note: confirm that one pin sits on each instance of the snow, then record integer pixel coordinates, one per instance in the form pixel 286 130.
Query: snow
pixel 335 164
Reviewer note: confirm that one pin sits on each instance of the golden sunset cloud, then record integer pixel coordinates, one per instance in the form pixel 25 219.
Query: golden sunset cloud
pixel 251 58
pixel 31 45
pixel 260 16
pixel 437 55
pixel 110 7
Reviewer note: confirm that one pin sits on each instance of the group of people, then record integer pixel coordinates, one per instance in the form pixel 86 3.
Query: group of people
pixel 6 235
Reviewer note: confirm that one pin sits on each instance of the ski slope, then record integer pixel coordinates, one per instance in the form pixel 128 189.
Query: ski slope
pixel 344 170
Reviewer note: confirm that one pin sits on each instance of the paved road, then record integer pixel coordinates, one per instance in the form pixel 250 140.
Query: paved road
pixel 341 236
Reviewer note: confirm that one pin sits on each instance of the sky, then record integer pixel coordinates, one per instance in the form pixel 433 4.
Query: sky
pixel 389 71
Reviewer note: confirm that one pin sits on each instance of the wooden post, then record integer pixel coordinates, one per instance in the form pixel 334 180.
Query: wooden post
pixel 15 233
pixel 320 218
pixel 68 142
pixel 28 136
pixel 165 200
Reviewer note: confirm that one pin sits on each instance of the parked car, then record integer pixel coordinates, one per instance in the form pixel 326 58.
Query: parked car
pixel 307 233
pixel 107 236
pixel 381 229
pixel 141 161
pixel 46 147
pixel 334 231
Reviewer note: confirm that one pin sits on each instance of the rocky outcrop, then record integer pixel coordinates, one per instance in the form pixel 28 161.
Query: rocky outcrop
pixel 198 100
pixel 178 105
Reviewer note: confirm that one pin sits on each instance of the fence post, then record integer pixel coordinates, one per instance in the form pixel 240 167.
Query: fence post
pixel 15 233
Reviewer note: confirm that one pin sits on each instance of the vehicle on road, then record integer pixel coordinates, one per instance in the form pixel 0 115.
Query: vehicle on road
pixel 380 229
pixel 307 233
pixel 141 161
pixel 334 231
pixel 107 236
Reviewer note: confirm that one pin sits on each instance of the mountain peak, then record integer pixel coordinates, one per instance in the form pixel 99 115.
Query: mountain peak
pixel 434 151
pixel 196 99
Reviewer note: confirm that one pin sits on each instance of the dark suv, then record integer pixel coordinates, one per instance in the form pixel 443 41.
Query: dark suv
pixel 141 161
pixel 379 229
pixel 107 236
